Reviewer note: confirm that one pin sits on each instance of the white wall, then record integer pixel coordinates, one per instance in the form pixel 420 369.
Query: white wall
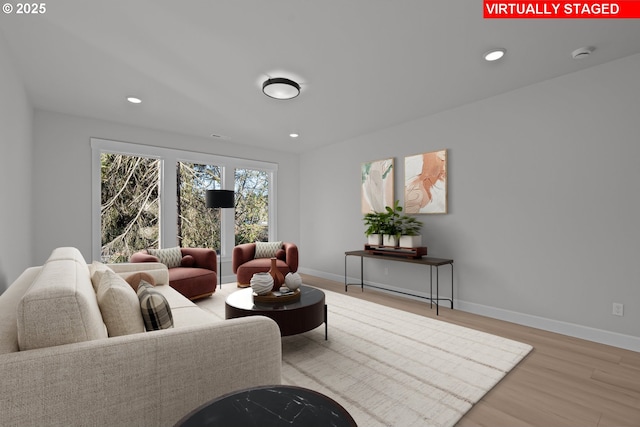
pixel 62 170
pixel 543 202
pixel 16 149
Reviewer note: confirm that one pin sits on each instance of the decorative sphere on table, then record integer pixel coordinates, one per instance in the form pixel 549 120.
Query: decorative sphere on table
pixel 293 281
pixel 261 283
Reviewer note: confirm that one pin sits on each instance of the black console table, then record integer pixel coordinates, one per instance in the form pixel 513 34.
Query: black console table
pixel 430 261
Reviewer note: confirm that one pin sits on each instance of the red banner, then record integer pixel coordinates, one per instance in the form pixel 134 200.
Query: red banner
pixel 561 9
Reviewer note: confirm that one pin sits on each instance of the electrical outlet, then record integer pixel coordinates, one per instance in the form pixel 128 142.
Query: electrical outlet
pixel 618 309
pixel 386 271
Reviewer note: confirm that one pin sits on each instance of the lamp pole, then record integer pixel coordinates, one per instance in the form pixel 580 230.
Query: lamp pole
pixel 220 199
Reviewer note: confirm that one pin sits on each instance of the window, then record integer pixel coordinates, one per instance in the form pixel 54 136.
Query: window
pixel 129 205
pixel 144 196
pixel 252 206
pixel 198 227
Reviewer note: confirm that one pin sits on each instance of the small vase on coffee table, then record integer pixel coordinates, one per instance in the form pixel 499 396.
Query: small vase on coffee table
pixel 278 277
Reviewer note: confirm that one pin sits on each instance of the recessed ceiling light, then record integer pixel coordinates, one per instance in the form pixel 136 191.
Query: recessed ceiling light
pixel 134 100
pixel 294 135
pixel 583 52
pixel 494 54
pixel 281 88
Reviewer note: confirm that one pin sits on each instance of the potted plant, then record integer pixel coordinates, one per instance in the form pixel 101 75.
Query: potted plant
pixel 374 221
pixel 410 232
pixel 391 228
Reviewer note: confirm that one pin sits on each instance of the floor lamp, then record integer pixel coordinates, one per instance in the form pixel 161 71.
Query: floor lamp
pixel 219 199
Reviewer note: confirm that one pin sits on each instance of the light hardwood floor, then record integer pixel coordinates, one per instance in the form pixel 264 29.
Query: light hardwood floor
pixel 564 381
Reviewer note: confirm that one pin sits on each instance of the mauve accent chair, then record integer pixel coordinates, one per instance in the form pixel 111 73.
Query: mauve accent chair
pixel 245 265
pixel 196 277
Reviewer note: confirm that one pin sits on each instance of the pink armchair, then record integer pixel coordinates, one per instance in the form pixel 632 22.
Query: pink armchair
pixel 196 277
pixel 245 265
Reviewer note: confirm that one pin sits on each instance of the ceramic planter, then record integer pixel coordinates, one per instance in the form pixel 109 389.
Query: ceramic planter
pixel 390 240
pixel 410 241
pixel 374 239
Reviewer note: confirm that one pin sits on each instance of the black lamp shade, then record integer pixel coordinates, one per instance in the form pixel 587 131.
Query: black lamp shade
pixel 219 198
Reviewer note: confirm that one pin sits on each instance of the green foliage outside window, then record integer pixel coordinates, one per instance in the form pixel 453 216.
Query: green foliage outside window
pixel 252 206
pixel 129 205
pixel 198 227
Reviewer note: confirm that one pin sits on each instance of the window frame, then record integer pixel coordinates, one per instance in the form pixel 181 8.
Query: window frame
pixel 169 158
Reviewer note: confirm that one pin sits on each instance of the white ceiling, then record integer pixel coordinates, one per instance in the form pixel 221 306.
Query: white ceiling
pixel 363 64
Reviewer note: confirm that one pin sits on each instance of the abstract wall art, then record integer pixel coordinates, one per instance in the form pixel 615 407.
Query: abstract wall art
pixel 425 183
pixel 377 185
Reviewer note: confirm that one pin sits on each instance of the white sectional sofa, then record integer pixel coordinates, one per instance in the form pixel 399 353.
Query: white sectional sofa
pixel 59 367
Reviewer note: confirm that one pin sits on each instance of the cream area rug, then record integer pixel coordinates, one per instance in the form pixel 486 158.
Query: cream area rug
pixel 388 367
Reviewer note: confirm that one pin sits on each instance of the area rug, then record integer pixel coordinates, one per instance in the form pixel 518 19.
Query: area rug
pixel 388 367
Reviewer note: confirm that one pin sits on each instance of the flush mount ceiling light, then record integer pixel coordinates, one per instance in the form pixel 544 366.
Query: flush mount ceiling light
pixel 294 135
pixel 281 88
pixel 134 100
pixel 494 54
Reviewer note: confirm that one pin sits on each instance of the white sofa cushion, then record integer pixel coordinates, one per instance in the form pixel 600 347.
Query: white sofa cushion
pixel 183 311
pixel 68 253
pixel 157 270
pixel 119 305
pixel 60 307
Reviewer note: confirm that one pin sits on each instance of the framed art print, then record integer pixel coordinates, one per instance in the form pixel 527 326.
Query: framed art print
pixel 425 183
pixel 377 185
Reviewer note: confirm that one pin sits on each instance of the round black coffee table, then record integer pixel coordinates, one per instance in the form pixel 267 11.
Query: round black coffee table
pixel 293 318
pixel 270 406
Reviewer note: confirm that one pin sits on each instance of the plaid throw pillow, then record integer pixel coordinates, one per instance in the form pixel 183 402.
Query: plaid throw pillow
pixel 171 257
pixel 267 249
pixel 154 307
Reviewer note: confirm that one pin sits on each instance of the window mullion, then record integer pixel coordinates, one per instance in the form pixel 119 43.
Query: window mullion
pixel 227 215
pixel 168 202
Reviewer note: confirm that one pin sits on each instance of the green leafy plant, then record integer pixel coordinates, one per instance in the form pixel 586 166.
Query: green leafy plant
pixel 374 221
pixel 392 220
pixel 410 226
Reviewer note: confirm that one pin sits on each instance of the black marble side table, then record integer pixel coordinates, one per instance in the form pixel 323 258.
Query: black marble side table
pixel 270 406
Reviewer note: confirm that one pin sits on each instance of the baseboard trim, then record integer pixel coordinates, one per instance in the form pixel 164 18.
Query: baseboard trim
pixel 601 336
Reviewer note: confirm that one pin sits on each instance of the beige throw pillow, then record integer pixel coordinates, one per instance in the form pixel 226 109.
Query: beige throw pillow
pixel 96 268
pixel 267 249
pixel 171 257
pixel 119 305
